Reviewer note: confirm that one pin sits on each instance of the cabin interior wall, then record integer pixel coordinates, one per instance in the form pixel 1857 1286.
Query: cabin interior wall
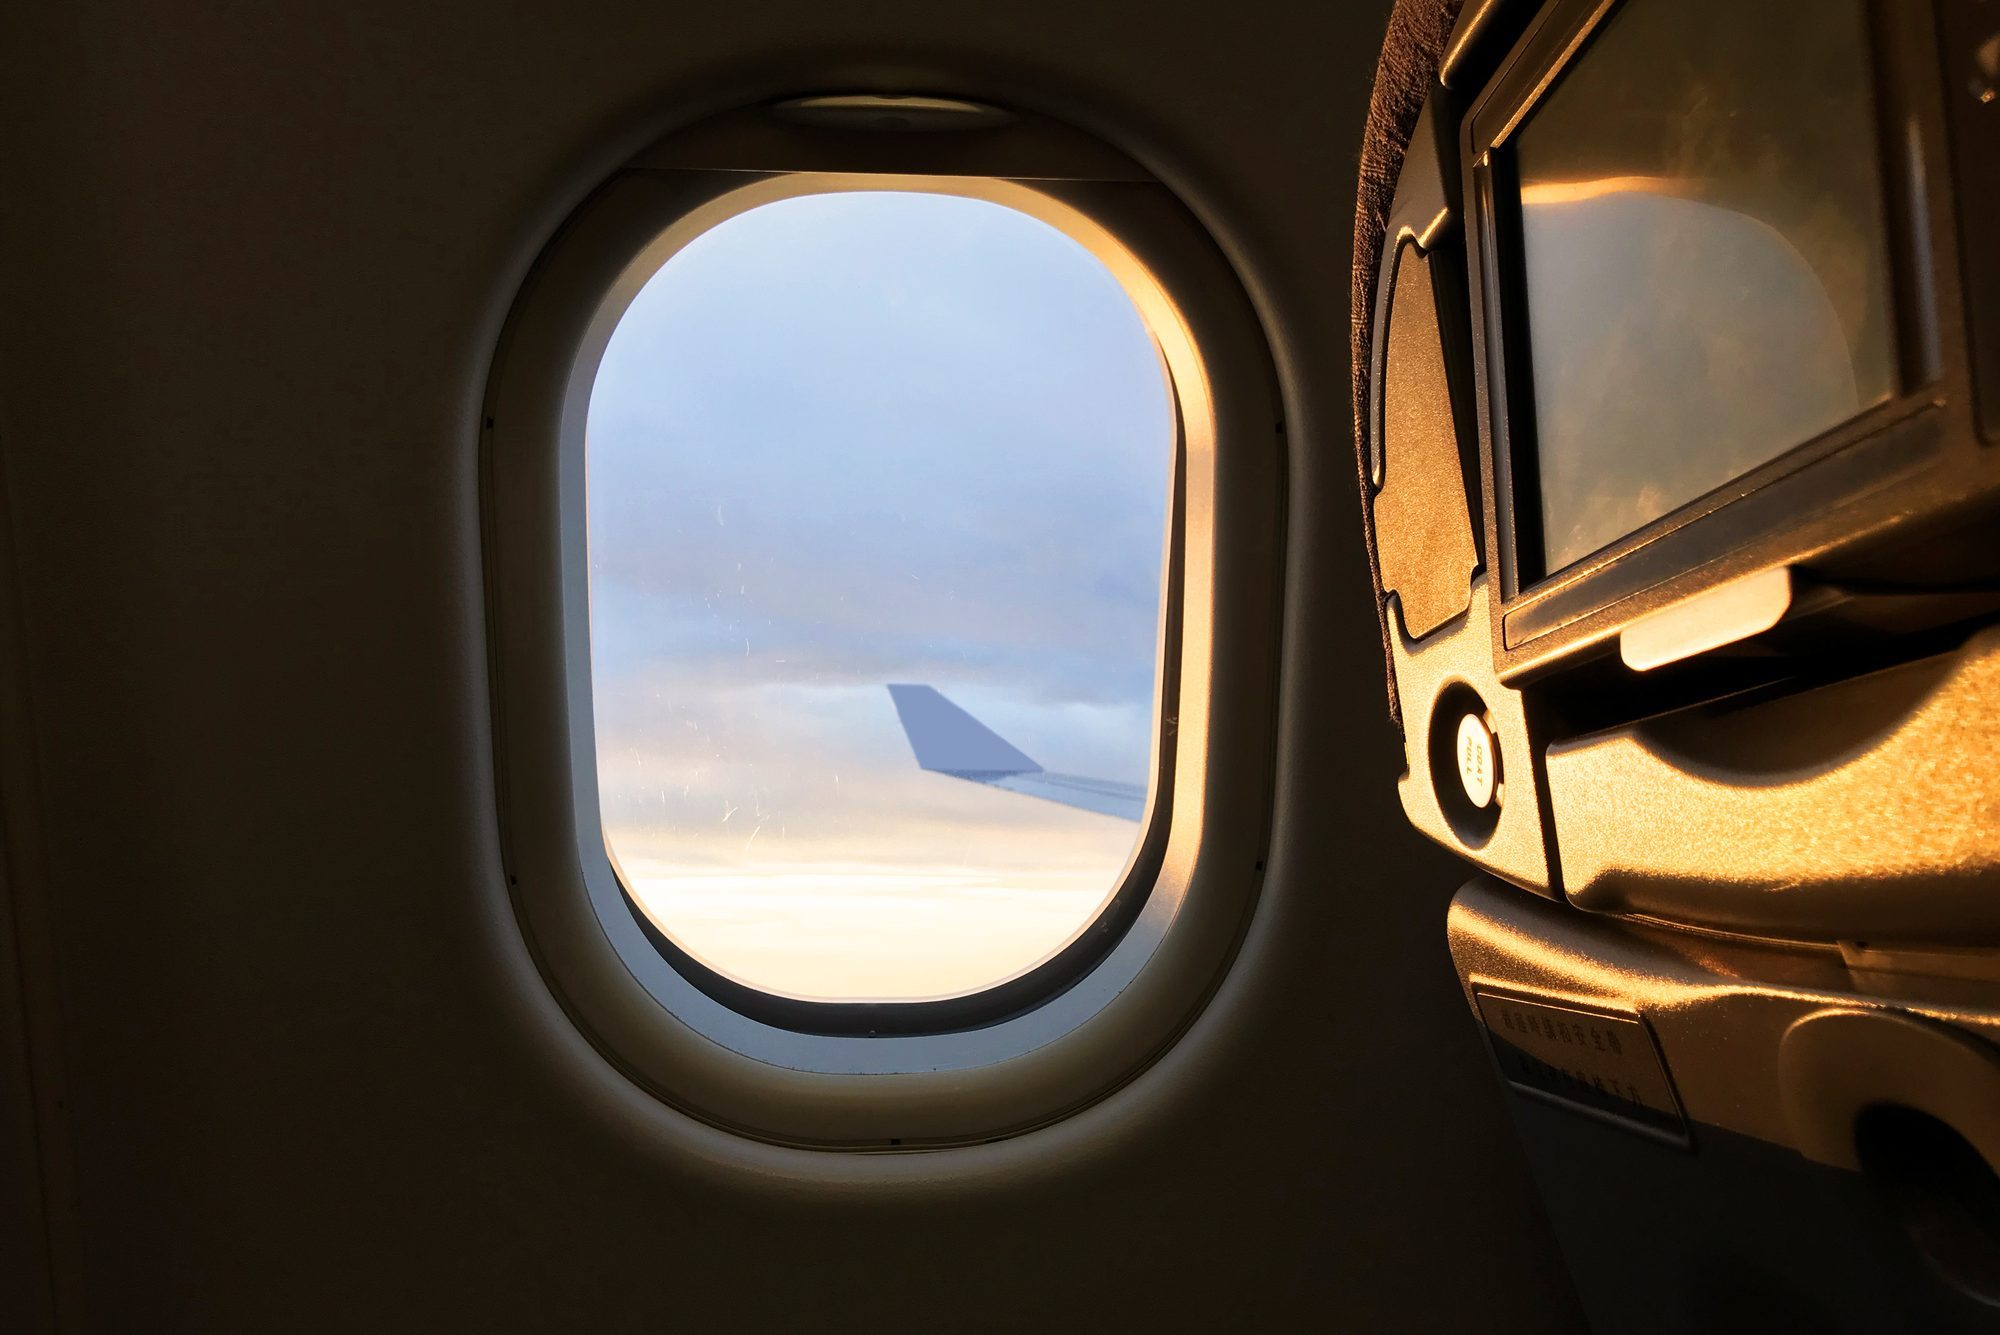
pixel 251 270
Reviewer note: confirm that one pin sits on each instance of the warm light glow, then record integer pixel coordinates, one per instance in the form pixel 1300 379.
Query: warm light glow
pixel 1597 187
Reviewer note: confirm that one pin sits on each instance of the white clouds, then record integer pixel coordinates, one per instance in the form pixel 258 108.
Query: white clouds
pixel 842 932
pixel 823 774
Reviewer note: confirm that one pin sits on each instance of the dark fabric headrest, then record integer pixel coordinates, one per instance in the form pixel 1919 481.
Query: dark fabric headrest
pixel 1412 51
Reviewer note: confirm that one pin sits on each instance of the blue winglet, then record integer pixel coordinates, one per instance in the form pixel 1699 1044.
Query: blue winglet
pixel 947 740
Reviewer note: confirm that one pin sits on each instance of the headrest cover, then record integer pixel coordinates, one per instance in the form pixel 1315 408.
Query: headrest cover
pixel 1412 50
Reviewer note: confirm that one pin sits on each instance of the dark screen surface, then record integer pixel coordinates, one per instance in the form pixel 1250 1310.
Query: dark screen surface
pixel 1704 256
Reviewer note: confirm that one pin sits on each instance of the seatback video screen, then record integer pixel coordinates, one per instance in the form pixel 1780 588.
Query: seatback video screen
pixel 1704 261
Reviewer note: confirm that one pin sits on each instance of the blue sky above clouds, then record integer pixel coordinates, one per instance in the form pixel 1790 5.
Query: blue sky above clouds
pixel 841 441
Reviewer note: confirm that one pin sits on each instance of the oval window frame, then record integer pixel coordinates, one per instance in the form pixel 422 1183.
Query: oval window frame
pixel 1076 1033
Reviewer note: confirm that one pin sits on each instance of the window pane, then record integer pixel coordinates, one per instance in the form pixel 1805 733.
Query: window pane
pixel 849 442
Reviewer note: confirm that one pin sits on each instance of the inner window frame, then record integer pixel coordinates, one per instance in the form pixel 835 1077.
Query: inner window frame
pixel 608 985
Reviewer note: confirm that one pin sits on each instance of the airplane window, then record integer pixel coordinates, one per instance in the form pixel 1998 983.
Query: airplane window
pixel 877 499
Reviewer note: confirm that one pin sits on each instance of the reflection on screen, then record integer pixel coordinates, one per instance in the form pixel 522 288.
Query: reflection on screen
pixel 1704 257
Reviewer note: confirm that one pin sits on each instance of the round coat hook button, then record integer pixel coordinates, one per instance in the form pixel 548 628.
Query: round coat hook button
pixel 1478 755
pixel 1464 765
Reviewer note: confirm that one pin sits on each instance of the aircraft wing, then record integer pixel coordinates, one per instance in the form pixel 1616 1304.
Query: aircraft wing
pixel 947 740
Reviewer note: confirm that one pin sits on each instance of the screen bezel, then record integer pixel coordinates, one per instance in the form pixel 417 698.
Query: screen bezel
pixel 1774 513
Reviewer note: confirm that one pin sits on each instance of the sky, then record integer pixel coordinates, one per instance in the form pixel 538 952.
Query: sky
pixel 841 441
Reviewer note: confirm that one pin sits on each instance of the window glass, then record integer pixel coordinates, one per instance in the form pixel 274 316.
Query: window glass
pixel 877 487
